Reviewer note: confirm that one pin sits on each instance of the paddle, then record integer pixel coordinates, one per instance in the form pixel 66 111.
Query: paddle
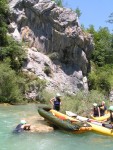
pixel 71 114
pixel 84 119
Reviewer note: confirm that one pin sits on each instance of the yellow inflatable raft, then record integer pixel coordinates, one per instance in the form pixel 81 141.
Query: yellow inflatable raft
pixel 96 125
pixel 101 129
pixel 102 118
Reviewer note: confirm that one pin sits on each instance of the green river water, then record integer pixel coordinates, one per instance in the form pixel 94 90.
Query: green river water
pixel 57 140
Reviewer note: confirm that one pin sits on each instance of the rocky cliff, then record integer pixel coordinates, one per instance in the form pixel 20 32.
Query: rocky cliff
pixel 58 50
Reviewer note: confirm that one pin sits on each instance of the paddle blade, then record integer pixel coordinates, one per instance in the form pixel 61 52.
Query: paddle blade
pixel 71 114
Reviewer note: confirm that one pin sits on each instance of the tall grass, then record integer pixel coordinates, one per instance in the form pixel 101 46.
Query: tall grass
pixel 81 103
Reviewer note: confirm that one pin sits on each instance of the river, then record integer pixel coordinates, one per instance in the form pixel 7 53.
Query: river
pixel 56 140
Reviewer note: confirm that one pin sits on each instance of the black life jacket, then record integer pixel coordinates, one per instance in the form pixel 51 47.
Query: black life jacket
pixel 57 101
pixel 95 110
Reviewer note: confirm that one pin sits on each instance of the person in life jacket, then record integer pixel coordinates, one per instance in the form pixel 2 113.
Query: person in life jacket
pixel 56 102
pixel 110 124
pixel 102 108
pixel 111 114
pixel 21 127
pixel 96 110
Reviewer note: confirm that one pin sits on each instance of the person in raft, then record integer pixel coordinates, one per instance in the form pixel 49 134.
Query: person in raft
pixel 110 125
pixel 56 102
pixel 111 114
pixel 21 127
pixel 102 108
pixel 96 110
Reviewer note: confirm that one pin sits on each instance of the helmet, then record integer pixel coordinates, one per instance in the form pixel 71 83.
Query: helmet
pixel 103 102
pixel 95 104
pixel 23 122
pixel 58 95
pixel 111 108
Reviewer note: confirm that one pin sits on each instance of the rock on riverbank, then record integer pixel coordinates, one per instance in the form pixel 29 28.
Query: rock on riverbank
pixel 39 125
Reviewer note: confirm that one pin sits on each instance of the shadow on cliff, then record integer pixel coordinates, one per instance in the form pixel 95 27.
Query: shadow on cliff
pixel 69 69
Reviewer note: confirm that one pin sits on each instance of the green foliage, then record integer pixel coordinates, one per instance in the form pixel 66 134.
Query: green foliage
pixel 103 39
pixel 47 70
pixel 104 84
pixel 9 87
pixel 110 20
pixel 77 10
pixel 59 2
pixel 100 79
pixel 14 52
pixel 3 7
pixel 54 56
pixel 13 87
pixel 46 96
pixel 33 83
pixel 82 102
pixel 102 58
pixel 3 25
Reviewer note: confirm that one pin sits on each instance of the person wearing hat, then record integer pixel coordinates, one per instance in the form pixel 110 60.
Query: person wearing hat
pixel 56 102
pixel 96 110
pixel 21 126
pixel 102 108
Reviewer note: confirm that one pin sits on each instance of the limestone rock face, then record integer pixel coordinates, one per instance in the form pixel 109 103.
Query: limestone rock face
pixel 51 29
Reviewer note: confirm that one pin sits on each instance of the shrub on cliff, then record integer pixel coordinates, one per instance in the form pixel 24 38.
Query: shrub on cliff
pixel 32 83
pixel 59 2
pixel 14 52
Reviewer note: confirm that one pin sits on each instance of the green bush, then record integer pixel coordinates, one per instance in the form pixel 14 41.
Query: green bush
pixel 59 2
pixel 13 87
pixel 13 50
pixel 100 79
pixel 3 25
pixel 47 70
pixel 33 83
pixel 9 87
pixel 46 96
pixel 54 56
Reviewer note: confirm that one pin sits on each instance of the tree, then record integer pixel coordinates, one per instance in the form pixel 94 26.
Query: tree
pixel 100 79
pixel 59 2
pixel 77 10
pixel 9 87
pixel 101 74
pixel 3 24
pixel 14 52
pixel 110 20
pixel 103 52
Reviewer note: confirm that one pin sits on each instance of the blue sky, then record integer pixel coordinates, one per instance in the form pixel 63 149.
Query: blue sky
pixel 94 12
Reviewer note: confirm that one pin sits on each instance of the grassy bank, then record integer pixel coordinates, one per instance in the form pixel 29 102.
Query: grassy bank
pixel 80 103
